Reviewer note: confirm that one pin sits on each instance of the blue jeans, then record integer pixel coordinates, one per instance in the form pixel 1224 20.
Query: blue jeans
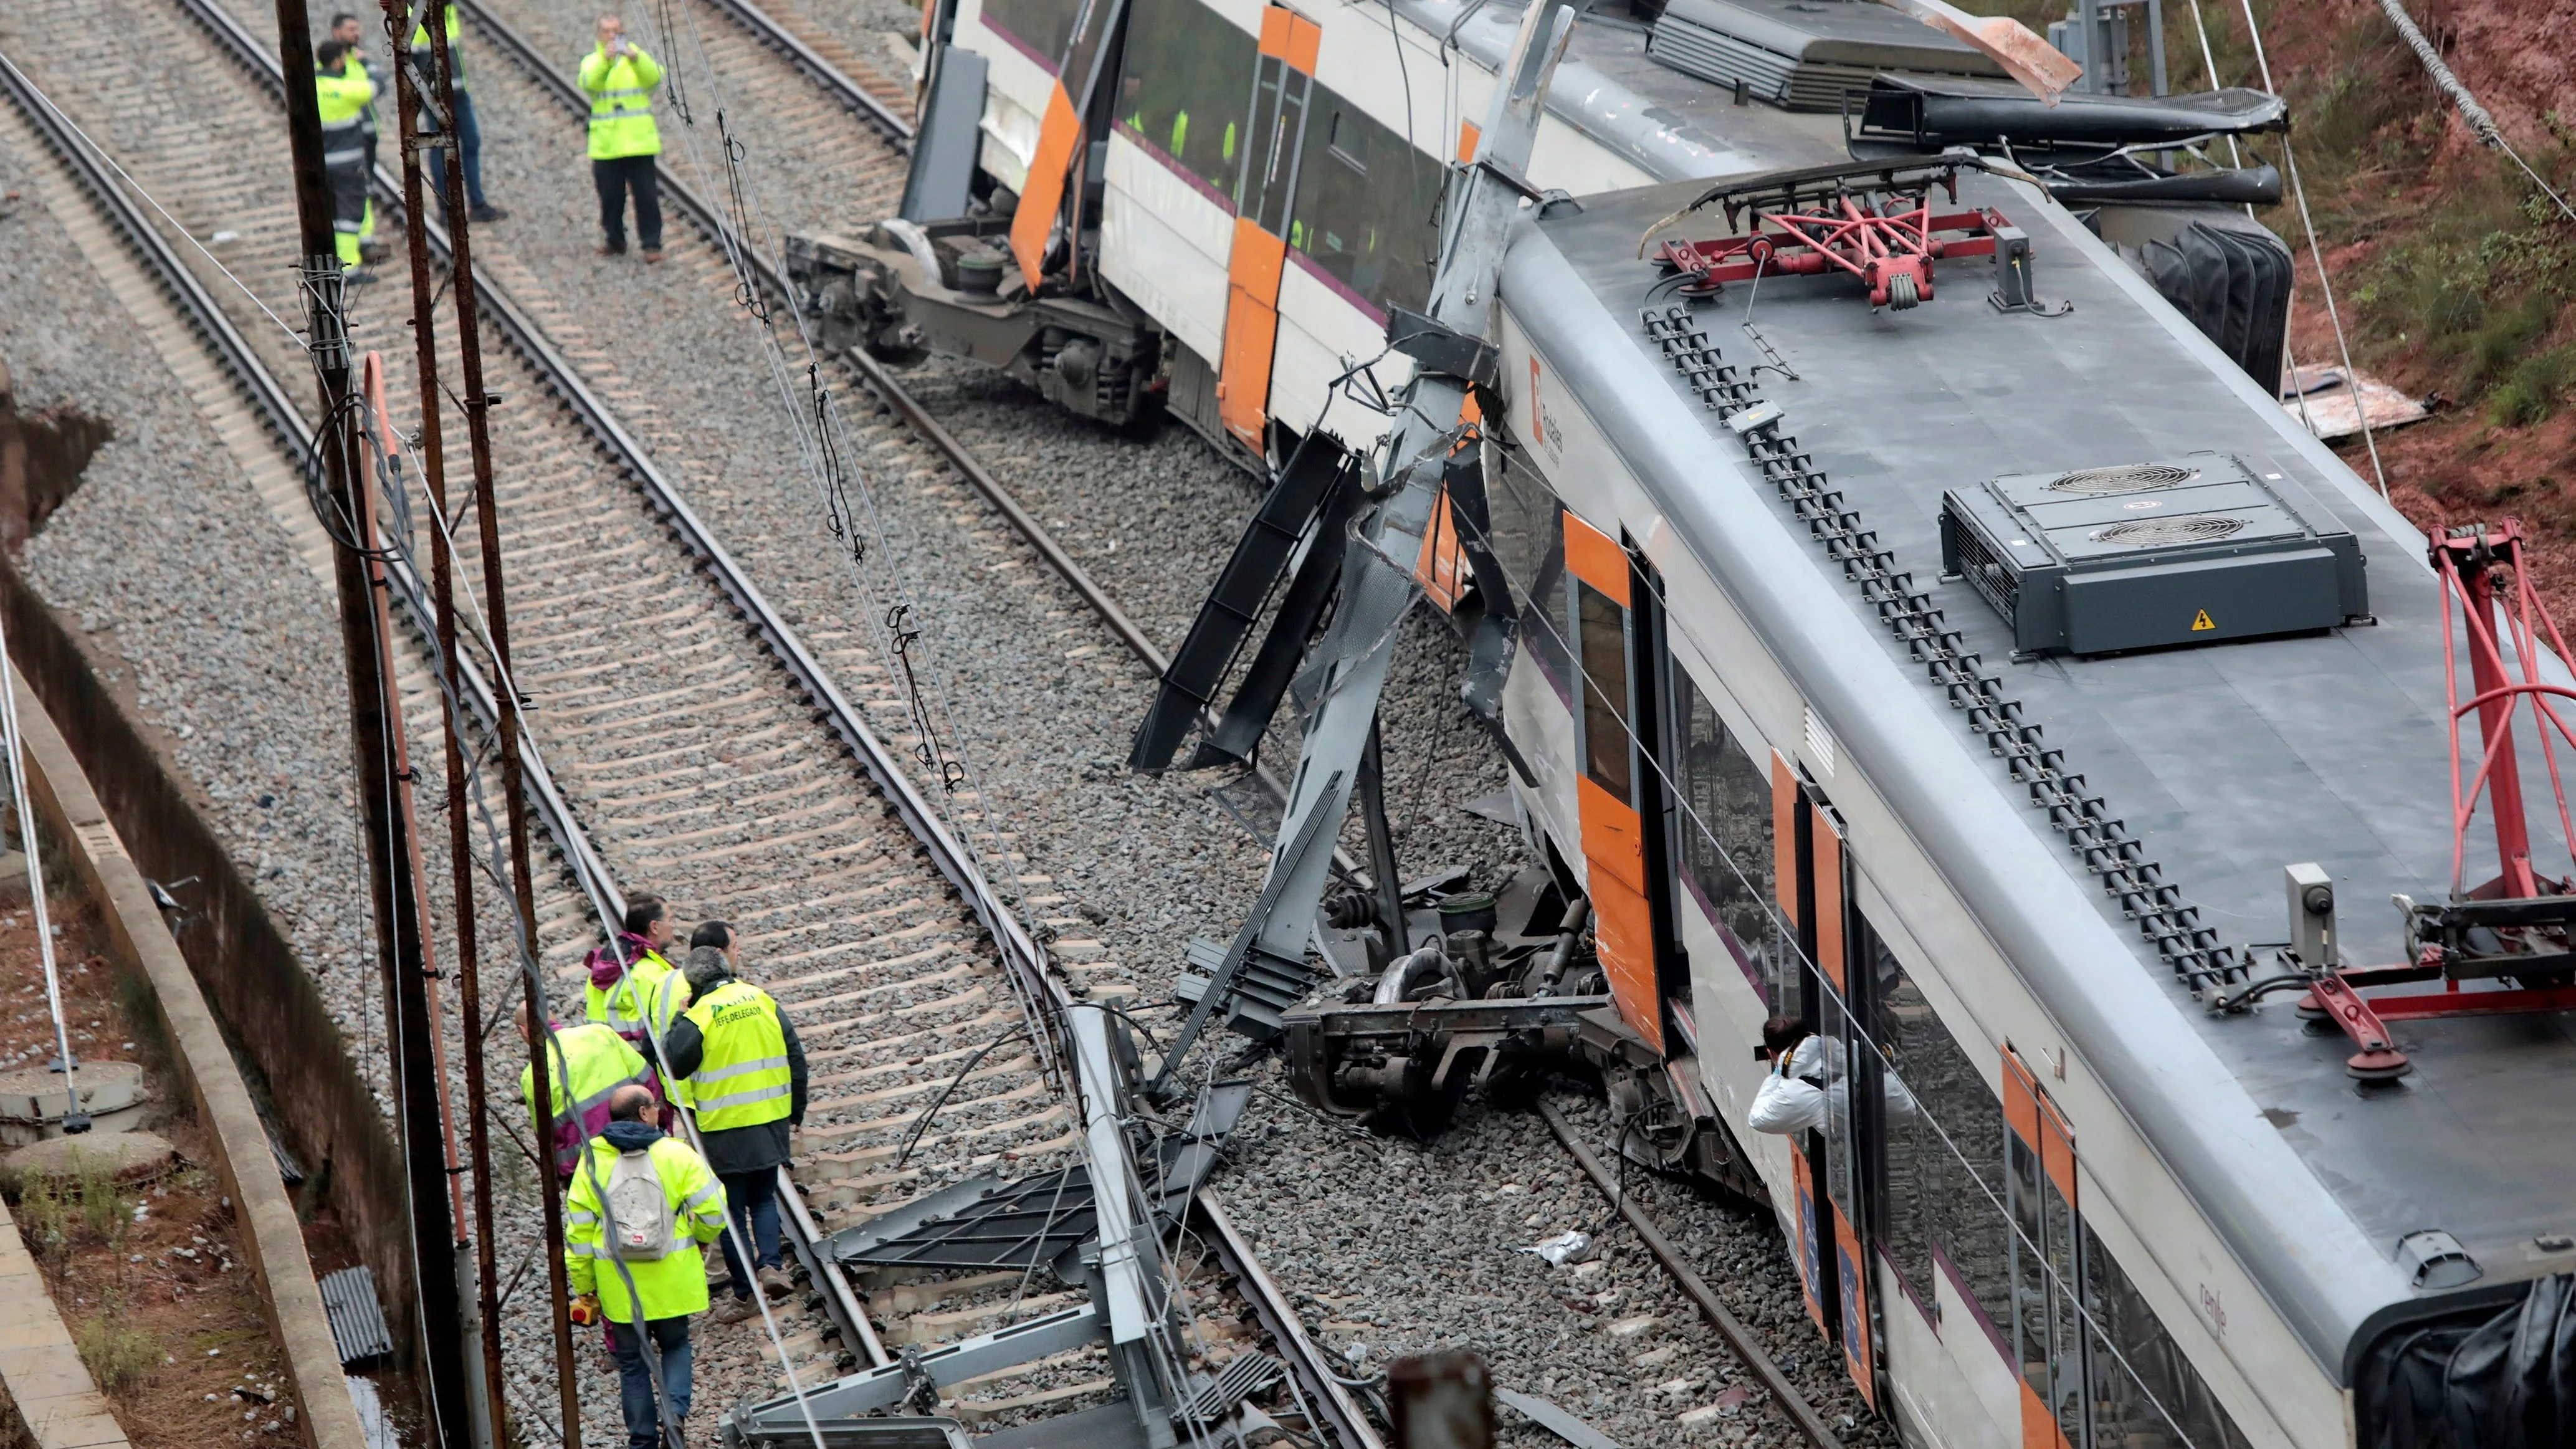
pixel 635 1382
pixel 470 136
pixel 751 1198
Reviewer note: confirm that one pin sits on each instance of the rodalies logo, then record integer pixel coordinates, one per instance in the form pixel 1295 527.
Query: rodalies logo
pixel 1543 428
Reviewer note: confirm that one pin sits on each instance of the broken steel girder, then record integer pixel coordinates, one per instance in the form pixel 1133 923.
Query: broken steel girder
pixel 987 1222
pixel 1378 590
pixel 1314 474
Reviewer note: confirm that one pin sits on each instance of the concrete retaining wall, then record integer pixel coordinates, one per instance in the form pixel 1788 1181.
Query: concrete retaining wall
pixel 247 975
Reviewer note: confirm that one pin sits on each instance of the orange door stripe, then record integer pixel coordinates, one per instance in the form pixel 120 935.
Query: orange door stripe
pixel 1441 568
pixel 1251 329
pixel 1829 900
pixel 1614 849
pixel 1468 135
pixel 2057 1150
pixel 1597 559
pixel 1275 23
pixel 1851 1273
pixel 1058 135
pixel 1305 42
pixel 2021 1098
pixel 1809 1224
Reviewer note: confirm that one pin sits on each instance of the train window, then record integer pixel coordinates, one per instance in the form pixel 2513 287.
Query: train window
pixel 2145 1394
pixel 1937 1213
pixel 1365 206
pixel 1043 26
pixel 1527 521
pixel 1187 86
pixel 1725 845
pixel 1601 634
pixel 1547 639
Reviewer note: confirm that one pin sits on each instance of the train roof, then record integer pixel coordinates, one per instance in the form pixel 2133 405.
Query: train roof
pixel 2229 761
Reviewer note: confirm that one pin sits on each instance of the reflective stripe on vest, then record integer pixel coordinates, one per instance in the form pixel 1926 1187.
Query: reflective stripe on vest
pixel 746 1055
pixel 626 1014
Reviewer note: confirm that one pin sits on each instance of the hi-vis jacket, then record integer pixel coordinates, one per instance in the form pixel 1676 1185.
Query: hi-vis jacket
pixel 595 1062
pixel 621 103
pixel 344 95
pixel 742 1077
pixel 672 1285
pixel 638 1000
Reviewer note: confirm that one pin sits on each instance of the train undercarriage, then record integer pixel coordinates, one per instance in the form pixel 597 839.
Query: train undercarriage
pixel 1478 1006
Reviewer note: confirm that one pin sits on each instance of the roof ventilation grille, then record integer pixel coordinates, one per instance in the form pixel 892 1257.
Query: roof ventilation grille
pixel 2195 550
pixel 2129 478
pixel 2170 530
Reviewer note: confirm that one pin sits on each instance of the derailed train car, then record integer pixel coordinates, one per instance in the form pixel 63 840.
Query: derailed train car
pixel 2010 689
pixel 1212 208
pixel 1907 610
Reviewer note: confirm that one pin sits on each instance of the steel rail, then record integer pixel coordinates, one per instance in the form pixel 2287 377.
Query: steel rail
pixel 710 220
pixel 803 1235
pixel 841 1302
pixel 1317 1382
pixel 843 87
pixel 1801 1414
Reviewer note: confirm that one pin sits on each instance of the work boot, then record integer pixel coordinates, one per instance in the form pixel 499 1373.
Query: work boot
pixel 612 249
pixel 652 254
pixel 773 1282
pixel 486 212
pixel 736 1310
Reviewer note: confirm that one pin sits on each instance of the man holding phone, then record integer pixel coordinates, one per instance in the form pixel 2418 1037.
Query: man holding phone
pixel 620 79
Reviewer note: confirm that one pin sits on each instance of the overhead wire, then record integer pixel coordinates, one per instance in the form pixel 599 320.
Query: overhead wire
pixel 736 236
pixel 2480 121
pixel 138 188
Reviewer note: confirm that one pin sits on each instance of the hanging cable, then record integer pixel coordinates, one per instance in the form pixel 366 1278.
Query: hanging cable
pixel 74 1119
pixel 2316 253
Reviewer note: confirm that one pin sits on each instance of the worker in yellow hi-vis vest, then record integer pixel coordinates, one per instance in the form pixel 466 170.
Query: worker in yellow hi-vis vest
pixel 746 1075
pixel 343 91
pixel 619 78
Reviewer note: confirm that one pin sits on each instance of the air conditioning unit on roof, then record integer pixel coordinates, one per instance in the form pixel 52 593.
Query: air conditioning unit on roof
pixel 2141 556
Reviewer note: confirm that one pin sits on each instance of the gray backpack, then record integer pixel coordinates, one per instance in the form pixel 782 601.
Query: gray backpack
pixel 639 1211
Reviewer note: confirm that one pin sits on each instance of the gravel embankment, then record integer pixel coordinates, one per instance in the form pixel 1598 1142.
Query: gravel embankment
pixel 171 563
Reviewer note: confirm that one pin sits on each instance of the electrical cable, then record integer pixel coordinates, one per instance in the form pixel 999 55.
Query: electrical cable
pixel 74 1119
pixel 2316 253
pixel 154 202
pixel 733 239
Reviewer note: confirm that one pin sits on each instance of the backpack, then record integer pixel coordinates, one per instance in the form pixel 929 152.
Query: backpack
pixel 641 1230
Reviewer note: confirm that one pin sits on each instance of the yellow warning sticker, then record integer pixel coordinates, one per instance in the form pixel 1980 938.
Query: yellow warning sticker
pixel 2201 621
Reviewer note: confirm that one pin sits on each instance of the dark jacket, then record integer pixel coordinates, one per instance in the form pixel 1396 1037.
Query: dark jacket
pixel 738 1150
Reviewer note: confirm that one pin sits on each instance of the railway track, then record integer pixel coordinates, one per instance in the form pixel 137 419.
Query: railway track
pixel 801 857
pixel 786 918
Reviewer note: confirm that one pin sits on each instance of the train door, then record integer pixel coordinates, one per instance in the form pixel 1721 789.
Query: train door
pixel 2047 1332
pixel 1063 153
pixel 1618 646
pixel 1833 1168
pixel 1282 80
